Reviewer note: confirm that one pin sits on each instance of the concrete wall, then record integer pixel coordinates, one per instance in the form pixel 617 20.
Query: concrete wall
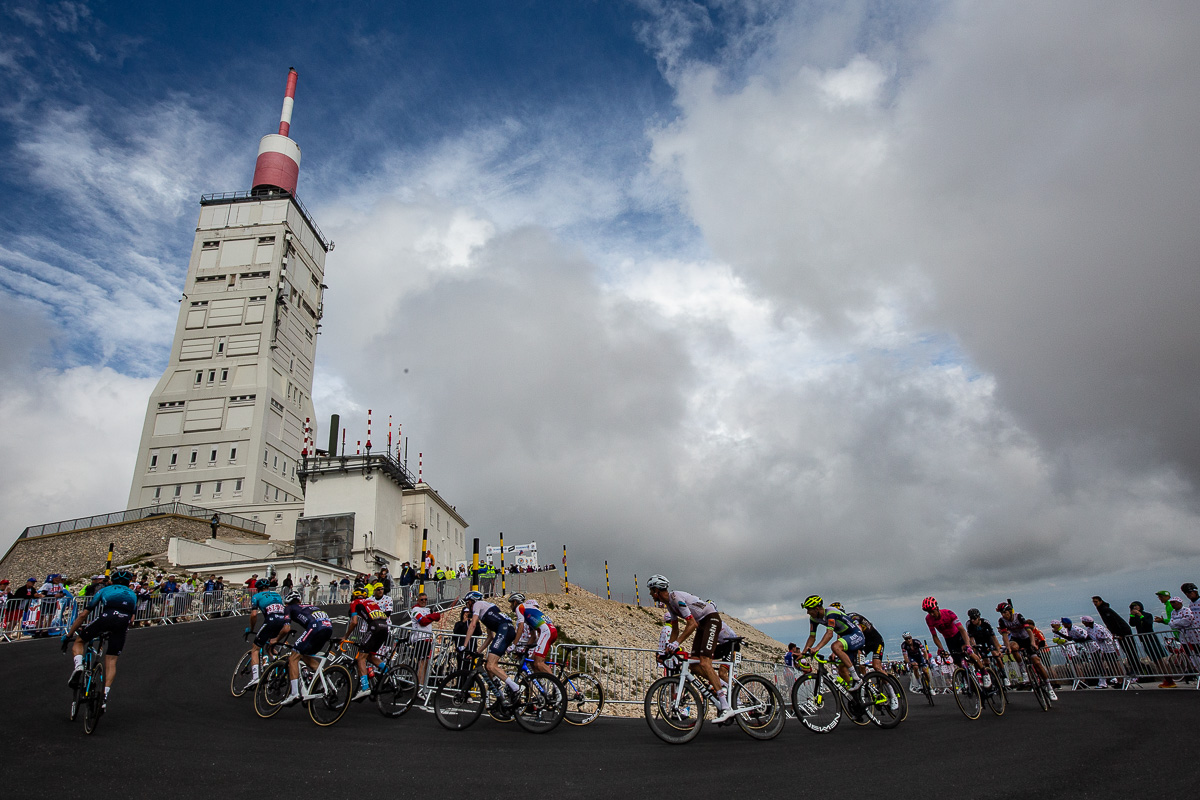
pixel 84 552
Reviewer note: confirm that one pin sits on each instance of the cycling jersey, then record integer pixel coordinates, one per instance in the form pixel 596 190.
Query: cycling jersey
pixel 1015 628
pixel 682 605
pixel 269 603
pixel 534 617
pixel 115 598
pixel 982 634
pixel 369 612
pixel 915 651
pixel 946 623
pixel 309 616
pixel 838 621
pixel 874 643
pixel 490 615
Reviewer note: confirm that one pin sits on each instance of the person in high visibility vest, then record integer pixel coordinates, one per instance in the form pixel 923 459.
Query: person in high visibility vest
pixel 490 577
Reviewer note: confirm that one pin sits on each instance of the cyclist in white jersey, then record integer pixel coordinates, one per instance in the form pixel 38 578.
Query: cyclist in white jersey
pixel 501 634
pixel 701 617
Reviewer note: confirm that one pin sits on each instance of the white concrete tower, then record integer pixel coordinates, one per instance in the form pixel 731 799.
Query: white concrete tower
pixel 225 424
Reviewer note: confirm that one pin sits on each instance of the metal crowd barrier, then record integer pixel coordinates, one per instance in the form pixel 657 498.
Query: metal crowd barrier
pixel 53 616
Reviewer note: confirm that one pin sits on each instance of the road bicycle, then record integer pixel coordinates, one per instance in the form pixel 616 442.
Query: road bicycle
pixel 325 691
pixel 676 705
pixel 970 693
pixel 819 699
pixel 585 693
pixel 1039 685
pixel 926 686
pixel 538 705
pixel 393 682
pixel 244 671
pixel 88 694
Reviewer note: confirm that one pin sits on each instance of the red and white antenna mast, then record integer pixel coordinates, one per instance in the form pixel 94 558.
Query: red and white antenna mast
pixel 278 164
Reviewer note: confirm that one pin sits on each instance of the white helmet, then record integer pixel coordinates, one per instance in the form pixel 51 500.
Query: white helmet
pixel 657 582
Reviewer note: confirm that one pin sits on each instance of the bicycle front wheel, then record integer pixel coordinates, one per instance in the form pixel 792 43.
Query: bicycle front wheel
pixel 397 691
pixel 926 688
pixel 1041 689
pixel 673 715
pixel 885 699
pixel 766 717
pixel 815 703
pixel 273 688
pixel 93 703
pixel 997 700
pixel 585 698
pixel 336 688
pixel 241 675
pixel 966 694
pixel 459 700
pixel 542 704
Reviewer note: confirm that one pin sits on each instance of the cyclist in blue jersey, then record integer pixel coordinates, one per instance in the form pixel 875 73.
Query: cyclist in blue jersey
pixel 533 623
pixel 115 606
pixel 501 634
pixel 318 630
pixel 275 627
pixel 838 623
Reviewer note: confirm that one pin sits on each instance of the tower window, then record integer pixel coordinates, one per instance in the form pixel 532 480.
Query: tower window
pixel 210 245
pixel 192 460
pixel 217 490
pixel 233 454
pixel 221 347
pixel 212 456
pixel 199 376
pixel 178 490
pixel 224 375
pixel 212 375
pixel 157 492
pixel 153 461
pixel 174 457
pixel 237 486
pixel 197 491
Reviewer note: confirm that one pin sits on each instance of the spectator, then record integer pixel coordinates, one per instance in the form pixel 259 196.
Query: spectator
pixel 385 577
pixel 287 583
pixel 1187 625
pixel 1103 650
pixel 407 576
pixel 1120 630
pixel 791 656
pixel 344 588
pixel 1143 623
pixel 1165 598
pixel 384 601
pixel 1192 595
pixel 333 589
pixel 92 587
pixel 313 586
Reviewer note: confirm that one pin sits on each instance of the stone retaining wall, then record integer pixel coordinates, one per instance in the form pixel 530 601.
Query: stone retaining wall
pixel 80 552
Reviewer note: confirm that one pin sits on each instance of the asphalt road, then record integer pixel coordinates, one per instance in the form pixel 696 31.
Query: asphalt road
pixel 173 727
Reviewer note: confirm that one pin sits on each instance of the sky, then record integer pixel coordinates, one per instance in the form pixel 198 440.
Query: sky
pixel 874 300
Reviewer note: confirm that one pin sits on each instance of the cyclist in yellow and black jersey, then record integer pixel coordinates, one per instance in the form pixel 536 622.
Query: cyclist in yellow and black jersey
pixel 849 641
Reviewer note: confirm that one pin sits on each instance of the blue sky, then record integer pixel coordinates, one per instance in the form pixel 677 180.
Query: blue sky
pixel 875 300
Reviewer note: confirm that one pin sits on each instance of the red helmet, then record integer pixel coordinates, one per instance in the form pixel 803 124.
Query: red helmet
pixel 928 605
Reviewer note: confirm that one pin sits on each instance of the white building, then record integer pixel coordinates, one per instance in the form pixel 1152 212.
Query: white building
pixel 225 424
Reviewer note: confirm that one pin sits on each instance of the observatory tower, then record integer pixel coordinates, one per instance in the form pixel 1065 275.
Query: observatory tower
pixel 226 422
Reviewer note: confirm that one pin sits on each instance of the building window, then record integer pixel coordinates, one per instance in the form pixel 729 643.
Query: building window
pixel 237 486
pixel 174 457
pixel 178 490
pixel 217 490
pixel 210 245
pixel 233 454
pixel 221 347
pixel 224 375
pixel 212 457
pixel 153 462
pixel 199 376
pixel 197 491
pixel 212 375
pixel 192 460
pixel 266 457
pixel 157 492
pixel 276 494
pixel 276 464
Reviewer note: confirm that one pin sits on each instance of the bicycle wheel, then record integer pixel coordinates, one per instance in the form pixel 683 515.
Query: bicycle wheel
pixel 273 688
pixel 459 700
pixel 815 703
pixel 926 688
pixel 674 716
pixel 1040 690
pixel 585 698
pixel 765 720
pixel 337 687
pixel 881 695
pixel 997 700
pixel 93 703
pixel 77 696
pixel 241 675
pixel 542 704
pixel 966 694
pixel 396 691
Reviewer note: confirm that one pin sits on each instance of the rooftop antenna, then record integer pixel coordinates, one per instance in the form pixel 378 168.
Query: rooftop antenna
pixel 278 163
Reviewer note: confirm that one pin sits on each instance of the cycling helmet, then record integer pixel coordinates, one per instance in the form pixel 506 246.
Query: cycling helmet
pixel 471 597
pixel 929 604
pixel 973 613
pixel 657 582
pixel 262 585
pixel 293 597
pixel 1002 607
pixel 907 635
pixel 813 601
pixel 516 597
pixel 359 594
pixel 837 606
pixel 122 577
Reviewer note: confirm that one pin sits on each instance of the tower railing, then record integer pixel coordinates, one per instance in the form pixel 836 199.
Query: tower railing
pixel 146 512
pixel 246 196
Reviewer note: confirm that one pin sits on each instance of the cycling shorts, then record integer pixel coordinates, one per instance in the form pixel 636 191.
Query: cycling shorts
pixel 1025 644
pixel 374 639
pixel 313 639
pixel 957 646
pixel 873 652
pixel 723 651
pixel 546 635
pixel 853 642
pixel 269 630
pixel 114 623
pixel 919 660
pixel 704 644
pixel 504 637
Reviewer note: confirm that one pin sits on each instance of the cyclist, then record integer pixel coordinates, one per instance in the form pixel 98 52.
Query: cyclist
pixel 702 618
pixel 117 604
pixel 946 622
pixel 501 634
pixel 371 621
pixel 532 622
pixel 849 638
pixel 1018 636
pixel 983 639
pixel 275 623
pixel 873 649
pixel 318 630
pixel 917 658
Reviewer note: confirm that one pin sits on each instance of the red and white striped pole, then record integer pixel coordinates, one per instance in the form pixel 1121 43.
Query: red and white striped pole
pixel 289 99
pixel 420 467
pixel 304 450
pixel 368 430
pixel 358 447
pixel 389 435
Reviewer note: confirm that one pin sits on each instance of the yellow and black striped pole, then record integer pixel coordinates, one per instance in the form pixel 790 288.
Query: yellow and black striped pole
pixel 636 593
pixel 607 585
pixel 424 554
pixel 108 563
pixel 503 585
pixel 566 583
pixel 475 568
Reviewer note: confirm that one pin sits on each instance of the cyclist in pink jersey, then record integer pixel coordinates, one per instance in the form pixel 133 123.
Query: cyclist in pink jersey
pixel 958 641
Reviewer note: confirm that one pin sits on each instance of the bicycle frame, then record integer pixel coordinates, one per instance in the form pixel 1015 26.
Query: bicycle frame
pixel 701 684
